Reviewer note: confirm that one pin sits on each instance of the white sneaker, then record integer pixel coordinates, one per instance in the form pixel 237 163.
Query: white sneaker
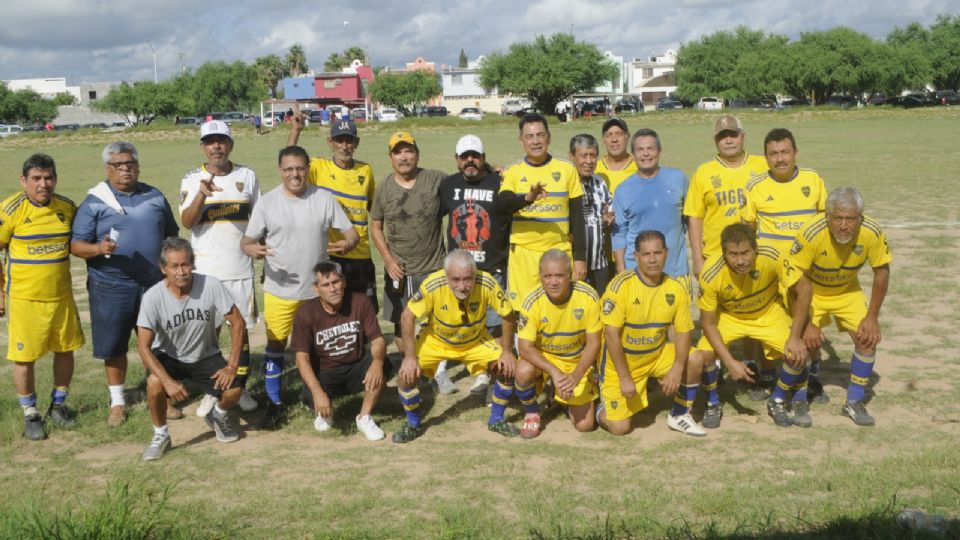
pixel 444 384
pixel 480 384
pixel 322 424
pixel 206 405
pixel 369 428
pixel 247 403
pixel 685 424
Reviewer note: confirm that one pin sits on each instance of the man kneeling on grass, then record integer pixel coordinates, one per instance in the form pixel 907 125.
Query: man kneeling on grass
pixel 177 341
pixel 330 337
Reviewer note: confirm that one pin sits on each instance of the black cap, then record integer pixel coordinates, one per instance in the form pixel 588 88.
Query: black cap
pixel 615 121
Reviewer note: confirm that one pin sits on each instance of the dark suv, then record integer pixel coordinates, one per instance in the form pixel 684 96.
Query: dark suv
pixel 947 97
pixel 435 111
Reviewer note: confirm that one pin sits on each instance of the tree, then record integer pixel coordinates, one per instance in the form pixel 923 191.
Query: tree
pixel 270 71
pixel 839 59
pixel 296 60
pixel 141 102
pixel 25 107
pixel 337 61
pixel 548 70
pixel 464 62
pixel 742 63
pixel 944 59
pixel 218 86
pixel 64 98
pixel 405 89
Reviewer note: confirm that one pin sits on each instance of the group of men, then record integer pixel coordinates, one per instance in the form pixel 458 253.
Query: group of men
pixel 517 285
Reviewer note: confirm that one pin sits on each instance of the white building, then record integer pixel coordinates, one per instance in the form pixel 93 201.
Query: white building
pixel 48 88
pixel 616 85
pixel 461 88
pixel 653 77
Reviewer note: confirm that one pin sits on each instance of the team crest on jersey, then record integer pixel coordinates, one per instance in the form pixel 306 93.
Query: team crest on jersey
pixel 614 404
pixel 556 176
pixel 238 185
pixel 474 306
pixel 796 247
pixel 521 321
pixel 754 273
pixel 805 190
pixel 608 306
pixel 19 346
pixel 361 179
pixel 578 314
pixel 858 249
pixel 670 298
pixel 417 296
pixel 716 181
pixel 61 217
pixel 183 196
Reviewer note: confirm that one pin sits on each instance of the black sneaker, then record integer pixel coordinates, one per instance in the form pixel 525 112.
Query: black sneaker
pixel 801 414
pixel 857 411
pixel 407 433
pixel 712 415
pixel 273 417
pixel 778 411
pixel 220 424
pixel 761 391
pixel 504 428
pixel 61 416
pixel 33 427
pixel 815 391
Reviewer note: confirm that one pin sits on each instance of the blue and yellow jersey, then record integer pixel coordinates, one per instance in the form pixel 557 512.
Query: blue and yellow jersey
pixel 615 178
pixel 458 323
pixel 833 268
pixel 38 243
pixel 560 330
pixel 744 296
pixel 353 189
pixel 780 209
pixel 645 312
pixel 716 195
pixel 544 224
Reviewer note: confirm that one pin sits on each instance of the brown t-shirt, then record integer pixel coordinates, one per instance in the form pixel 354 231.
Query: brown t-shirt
pixel 335 339
pixel 411 220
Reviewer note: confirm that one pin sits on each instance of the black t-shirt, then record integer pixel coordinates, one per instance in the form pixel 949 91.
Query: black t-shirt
pixel 473 222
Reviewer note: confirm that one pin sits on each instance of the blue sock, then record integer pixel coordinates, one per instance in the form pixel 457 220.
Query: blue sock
pixel 788 377
pixel 861 366
pixel 502 390
pixel 800 387
pixel 272 369
pixel 28 401
pixel 528 397
pixel 59 394
pixel 411 404
pixel 709 380
pixel 686 395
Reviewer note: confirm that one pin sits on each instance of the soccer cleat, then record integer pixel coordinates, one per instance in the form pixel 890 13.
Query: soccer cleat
pixel 857 411
pixel 480 385
pixel 685 424
pixel 206 405
pixel 117 416
pixel 220 424
pixel 531 426
pixel 444 384
pixel 158 445
pixel 322 424
pixel 815 391
pixel 272 417
pixel 760 392
pixel 407 433
pixel 61 416
pixel 247 403
pixel 369 428
pixel 801 414
pixel 712 415
pixel 778 411
pixel 33 427
pixel 504 428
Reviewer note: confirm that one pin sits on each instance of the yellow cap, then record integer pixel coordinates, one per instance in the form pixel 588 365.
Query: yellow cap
pixel 400 137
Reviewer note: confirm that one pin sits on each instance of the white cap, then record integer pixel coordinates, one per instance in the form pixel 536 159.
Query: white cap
pixel 469 143
pixel 215 127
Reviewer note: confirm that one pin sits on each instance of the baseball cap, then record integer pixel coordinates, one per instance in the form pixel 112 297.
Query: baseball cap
pixel 215 127
pixel 727 123
pixel 344 126
pixel 469 143
pixel 400 137
pixel 615 121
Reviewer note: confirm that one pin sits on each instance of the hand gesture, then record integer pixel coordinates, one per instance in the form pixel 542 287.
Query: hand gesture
pixel 537 191
pixel 208 187
pixel 738 371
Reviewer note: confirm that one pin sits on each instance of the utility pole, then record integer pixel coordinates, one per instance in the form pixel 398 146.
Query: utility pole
pixel 154 51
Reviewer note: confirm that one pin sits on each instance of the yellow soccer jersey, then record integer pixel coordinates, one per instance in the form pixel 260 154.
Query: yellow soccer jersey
pixel 833 268
pixel 780 209
pixel 545 224
pixel 615 178
pixel 353 189
pixel 560 331
pixel 716 195
pixel 38 240
pixel 458 323
pixel 746 296
pixel 645 313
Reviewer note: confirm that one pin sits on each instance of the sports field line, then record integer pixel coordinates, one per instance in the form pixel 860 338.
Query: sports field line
pixel 922 224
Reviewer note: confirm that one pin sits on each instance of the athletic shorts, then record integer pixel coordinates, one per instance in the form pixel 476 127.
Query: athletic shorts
pixel 114 306
pixel 523 272
pixel 849 310
pixel 583 393
pixel 395 298
pixel 345 380
pixel 656 365
pixel 244 298
pixel 36 328
pixel 198 372
pixel 279 314
pixel 431 351
pixel 772 330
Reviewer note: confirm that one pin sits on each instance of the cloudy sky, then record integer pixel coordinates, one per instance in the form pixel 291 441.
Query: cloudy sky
pixel 107 40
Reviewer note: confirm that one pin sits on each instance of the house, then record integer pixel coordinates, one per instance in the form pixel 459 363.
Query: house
pixel 461 88
pixel 347 86
pixel 652 78
pixel 616 85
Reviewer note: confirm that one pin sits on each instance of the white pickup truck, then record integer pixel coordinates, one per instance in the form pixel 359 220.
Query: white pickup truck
pixel 709 104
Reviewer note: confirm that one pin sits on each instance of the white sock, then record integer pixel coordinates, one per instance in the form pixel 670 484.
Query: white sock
pixel 441 369
pixel 220 411
pixel 116 395
pixel 27 411
pixel 162 430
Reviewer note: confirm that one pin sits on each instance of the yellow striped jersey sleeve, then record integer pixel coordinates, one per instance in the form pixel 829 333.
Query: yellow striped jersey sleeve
pixel 560 330
pixel 354 190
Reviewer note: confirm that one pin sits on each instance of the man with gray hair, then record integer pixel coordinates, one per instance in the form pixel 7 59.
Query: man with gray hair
pixel 828 253
pixel 118 230
pixel 454 303
pixel 597 212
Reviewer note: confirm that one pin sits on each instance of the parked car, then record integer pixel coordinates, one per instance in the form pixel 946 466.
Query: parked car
pixel 877 99
pixel 188 121
pixel 339 110
pixel 319 116
pixel 232 117
pixel 10 130
pixel 66 127
pixel 793 102
pixel 358 115
pixel 668 104
pixel 513 106
pixel 709 103
pixel 388 114
pixel 844 102
pixel 629 104
pixel 947 97
pixel 94 125
pixel 527 110
pixel 909 101
pixel 471 113
pixel 435 111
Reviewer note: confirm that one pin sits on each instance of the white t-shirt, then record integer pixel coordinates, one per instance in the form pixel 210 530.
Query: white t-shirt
pixel 296 230
pixel 223 220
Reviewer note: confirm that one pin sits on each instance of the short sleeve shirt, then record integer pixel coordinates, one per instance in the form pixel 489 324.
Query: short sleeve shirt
pixel 458 323
pixel 543 224
pixel 353 189
pixel 38 247
pixel 780 209
pixel 472 223
pixel 335 339
pixel 744 296
pixel 412 221
pixel 560 330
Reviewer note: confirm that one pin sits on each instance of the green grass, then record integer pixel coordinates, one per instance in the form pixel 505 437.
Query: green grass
pixel 746 480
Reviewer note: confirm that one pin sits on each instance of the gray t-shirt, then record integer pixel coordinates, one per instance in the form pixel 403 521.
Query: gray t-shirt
pixel 296 229
pixel 186 328
pixel 411 220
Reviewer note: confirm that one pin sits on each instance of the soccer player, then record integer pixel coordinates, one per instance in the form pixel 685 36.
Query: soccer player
pixel 617 164
pixel 559 336
pixel 545 196
pixel 454 302
pixel 216 200
pixel 292 220
pixel 35 232
pixel 177 341
pixel 597 210
pixel 637 310
pixel 740 297
pixel 829 252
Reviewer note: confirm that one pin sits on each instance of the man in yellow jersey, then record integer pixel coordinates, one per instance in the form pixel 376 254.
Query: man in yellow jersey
pixel 637 310
pixel 454 303
pixel 740 297
pixel 37 294
pixel 559 333
pixel 617 164
pixel 545 196
pixel 829 252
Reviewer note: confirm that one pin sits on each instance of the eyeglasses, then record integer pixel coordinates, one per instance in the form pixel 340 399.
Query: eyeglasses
pixel 123 164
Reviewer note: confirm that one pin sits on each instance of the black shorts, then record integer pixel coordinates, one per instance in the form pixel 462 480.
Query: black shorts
pixel 361 276
pixel 348 379
pixel 198 372
pixel 395 298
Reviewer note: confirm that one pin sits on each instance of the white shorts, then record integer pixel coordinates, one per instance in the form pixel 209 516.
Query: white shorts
pixel 245 299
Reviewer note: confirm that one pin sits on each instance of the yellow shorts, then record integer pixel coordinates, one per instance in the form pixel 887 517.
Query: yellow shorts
pixel 36 328
pixel 772 329
pixel 583 393
pixel 849 310
pixel 431 351
pixel 654 365
pixel 523 272
pixel 278 313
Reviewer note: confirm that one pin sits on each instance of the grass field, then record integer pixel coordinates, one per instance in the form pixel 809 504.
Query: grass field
pixel 749 479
